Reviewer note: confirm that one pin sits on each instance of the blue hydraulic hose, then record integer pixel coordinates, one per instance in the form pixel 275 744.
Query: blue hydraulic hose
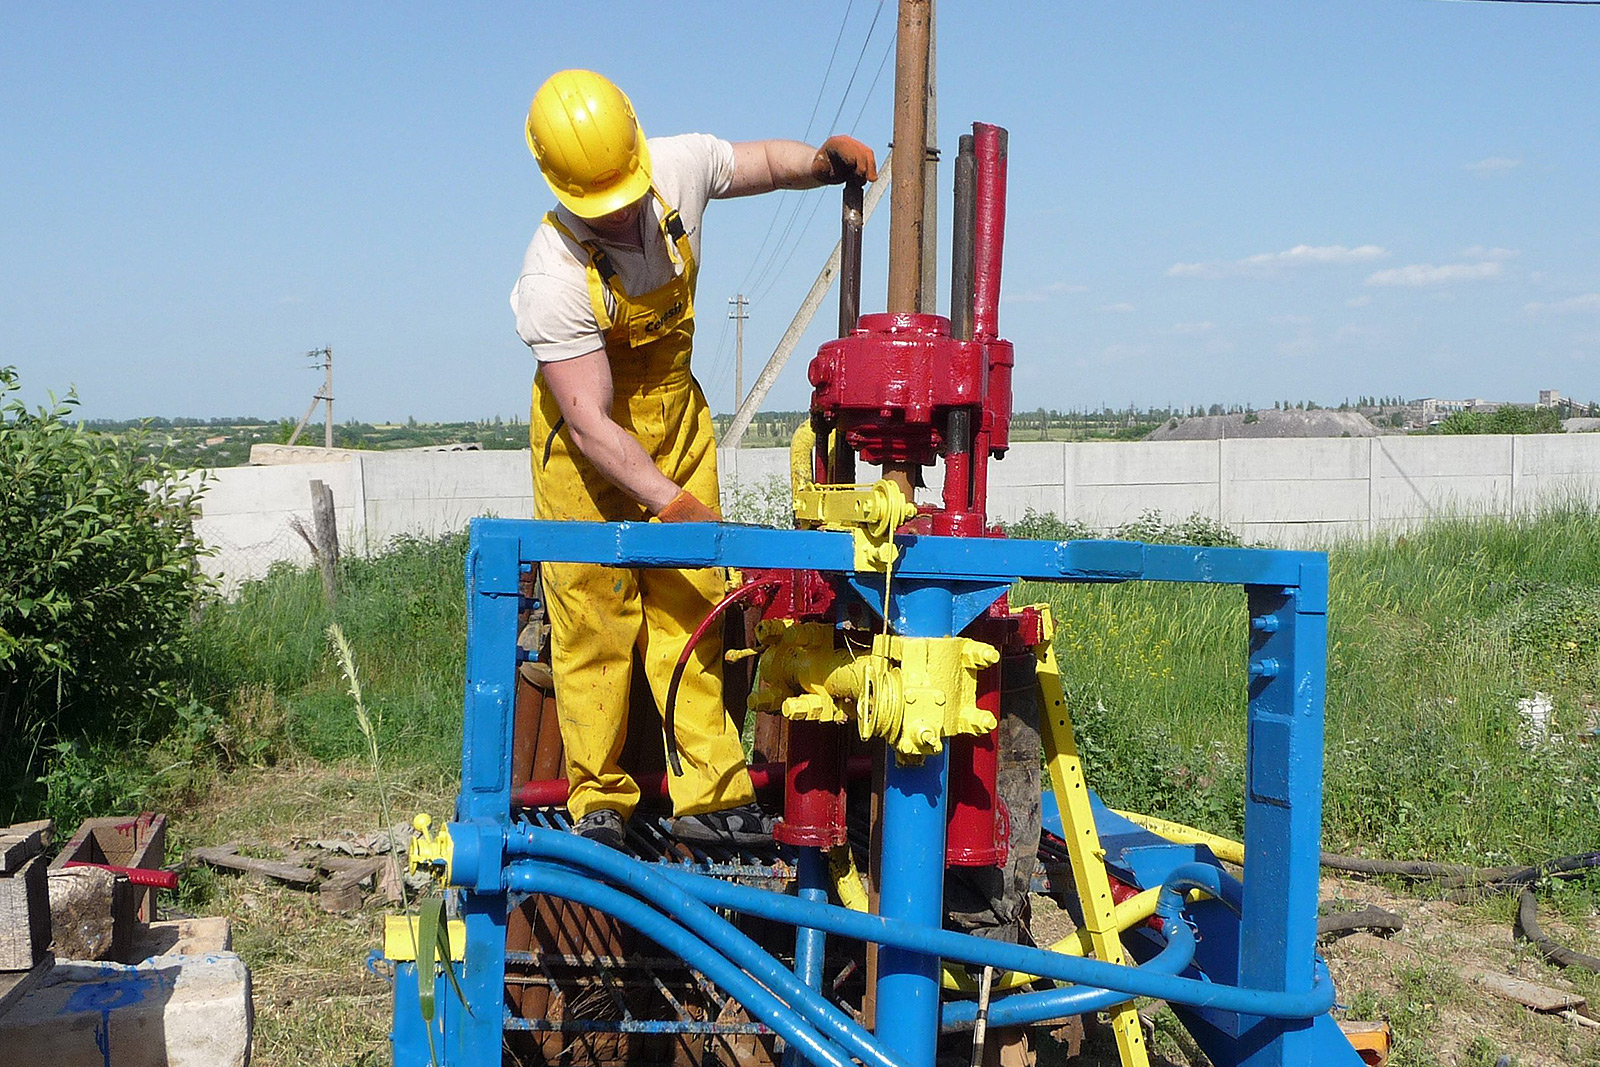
pixel 538 877
pixel 965 948
pixel 649 882
pixel 1024 1008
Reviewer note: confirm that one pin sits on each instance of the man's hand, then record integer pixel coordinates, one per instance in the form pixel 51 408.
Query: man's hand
pixel 842 159
pixel 685 507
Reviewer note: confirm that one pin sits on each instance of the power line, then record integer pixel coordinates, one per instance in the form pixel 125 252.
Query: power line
pixel 788 228
pixel 1565 3
pixel 777 209
pixel 816 202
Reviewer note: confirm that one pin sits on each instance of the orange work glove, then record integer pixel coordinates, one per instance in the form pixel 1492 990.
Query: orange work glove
pixel 686 508
pixel 843 159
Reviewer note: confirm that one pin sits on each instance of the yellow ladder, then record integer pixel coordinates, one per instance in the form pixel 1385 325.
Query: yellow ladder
pixel 1083 840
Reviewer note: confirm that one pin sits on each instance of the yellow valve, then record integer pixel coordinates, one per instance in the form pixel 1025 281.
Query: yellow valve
pixel 433 852
pixel 911 691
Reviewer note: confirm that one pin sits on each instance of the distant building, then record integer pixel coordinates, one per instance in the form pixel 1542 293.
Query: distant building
pixel 1549 398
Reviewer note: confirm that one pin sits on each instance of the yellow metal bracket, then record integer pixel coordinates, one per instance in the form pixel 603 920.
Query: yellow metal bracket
pixel 400 938
pixel 1083 839
pixel 428 851
pixel 870 513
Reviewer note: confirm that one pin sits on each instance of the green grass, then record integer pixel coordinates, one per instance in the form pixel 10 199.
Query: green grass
pixel 1433 640
pixel 265 655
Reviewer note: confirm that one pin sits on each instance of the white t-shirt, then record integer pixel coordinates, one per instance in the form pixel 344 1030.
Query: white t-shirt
pixel 551 297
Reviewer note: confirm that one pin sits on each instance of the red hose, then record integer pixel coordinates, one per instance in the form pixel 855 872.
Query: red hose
pixel 683 661
pixel 137 875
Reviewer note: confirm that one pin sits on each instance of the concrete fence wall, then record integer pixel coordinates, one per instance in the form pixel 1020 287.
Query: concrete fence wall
pixel 1291 492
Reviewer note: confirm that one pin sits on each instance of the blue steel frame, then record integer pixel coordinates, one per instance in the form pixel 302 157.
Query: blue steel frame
pixel 940 584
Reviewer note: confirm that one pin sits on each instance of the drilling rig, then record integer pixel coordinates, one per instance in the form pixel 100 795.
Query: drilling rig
pixel 878 655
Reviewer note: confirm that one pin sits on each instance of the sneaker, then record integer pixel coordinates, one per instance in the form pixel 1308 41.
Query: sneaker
pixel 744 825
pixel 603 825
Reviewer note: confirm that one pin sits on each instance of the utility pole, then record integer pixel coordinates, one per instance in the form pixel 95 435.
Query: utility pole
pixel 324 356
pixel 738 315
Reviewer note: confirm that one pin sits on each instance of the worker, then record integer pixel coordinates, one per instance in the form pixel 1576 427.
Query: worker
pixel 621 432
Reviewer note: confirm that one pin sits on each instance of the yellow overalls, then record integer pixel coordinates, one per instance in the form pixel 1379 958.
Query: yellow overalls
pixel 599 615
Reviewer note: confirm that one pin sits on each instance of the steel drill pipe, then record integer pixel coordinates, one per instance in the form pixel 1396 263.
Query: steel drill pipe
pixel 910 130
pixel 850 223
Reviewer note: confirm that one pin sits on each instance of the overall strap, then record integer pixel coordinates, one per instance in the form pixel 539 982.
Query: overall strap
pixel 601 274
pixel 677 236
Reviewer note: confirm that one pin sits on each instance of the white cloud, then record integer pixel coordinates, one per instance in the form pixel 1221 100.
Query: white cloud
pixel 1586 302
pixel 1358 301
pixel 1119 308
pixel 1419 275
pixel 1266 263
pixel 1493 165
pixel 1480 252
pixel 1193 327
pixel 1042 294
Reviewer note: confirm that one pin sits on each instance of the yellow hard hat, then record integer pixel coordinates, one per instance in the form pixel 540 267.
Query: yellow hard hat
pixel 589 144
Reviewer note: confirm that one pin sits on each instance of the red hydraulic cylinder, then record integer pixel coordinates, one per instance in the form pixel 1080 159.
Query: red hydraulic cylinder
pixel 813 786
pixel 978 831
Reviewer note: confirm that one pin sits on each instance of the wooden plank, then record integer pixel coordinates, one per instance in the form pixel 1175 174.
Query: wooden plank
pixel 24 916
pixel 343 891
pixel 14 985
pixel 227 858
pixel 1521 991
pixel 19 844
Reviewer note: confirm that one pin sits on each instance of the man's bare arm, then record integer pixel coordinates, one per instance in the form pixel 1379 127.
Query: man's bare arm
pixel 583 392
pixel 762 166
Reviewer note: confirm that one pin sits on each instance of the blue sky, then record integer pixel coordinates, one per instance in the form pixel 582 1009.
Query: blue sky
pixel 1210 201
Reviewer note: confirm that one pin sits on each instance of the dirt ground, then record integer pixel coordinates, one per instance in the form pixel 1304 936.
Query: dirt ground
pixel 1425 981
pixel 317 1004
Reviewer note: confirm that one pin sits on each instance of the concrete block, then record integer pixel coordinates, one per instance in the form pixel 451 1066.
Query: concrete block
pixel 1297 501
pixel 1552 454
pixel 1109 505
pixel 751 466
pixel 1456 455
pixel 1142 463
pixel 1296 459
pixel 1010 503
pixel 171 1011
pixel 1412 501
pixel 1029 464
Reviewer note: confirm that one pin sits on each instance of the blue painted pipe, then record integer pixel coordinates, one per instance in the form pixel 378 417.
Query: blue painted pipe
pixel 810 945
pixel 965 948
pixel 1024 1008
pixel 538 877
pixel 648 881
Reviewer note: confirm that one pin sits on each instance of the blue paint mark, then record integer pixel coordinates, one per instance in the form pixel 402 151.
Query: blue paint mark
pixel 109 995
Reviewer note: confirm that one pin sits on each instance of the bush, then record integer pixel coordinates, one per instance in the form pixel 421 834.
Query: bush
pixel 98 578
pixel 1504 420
